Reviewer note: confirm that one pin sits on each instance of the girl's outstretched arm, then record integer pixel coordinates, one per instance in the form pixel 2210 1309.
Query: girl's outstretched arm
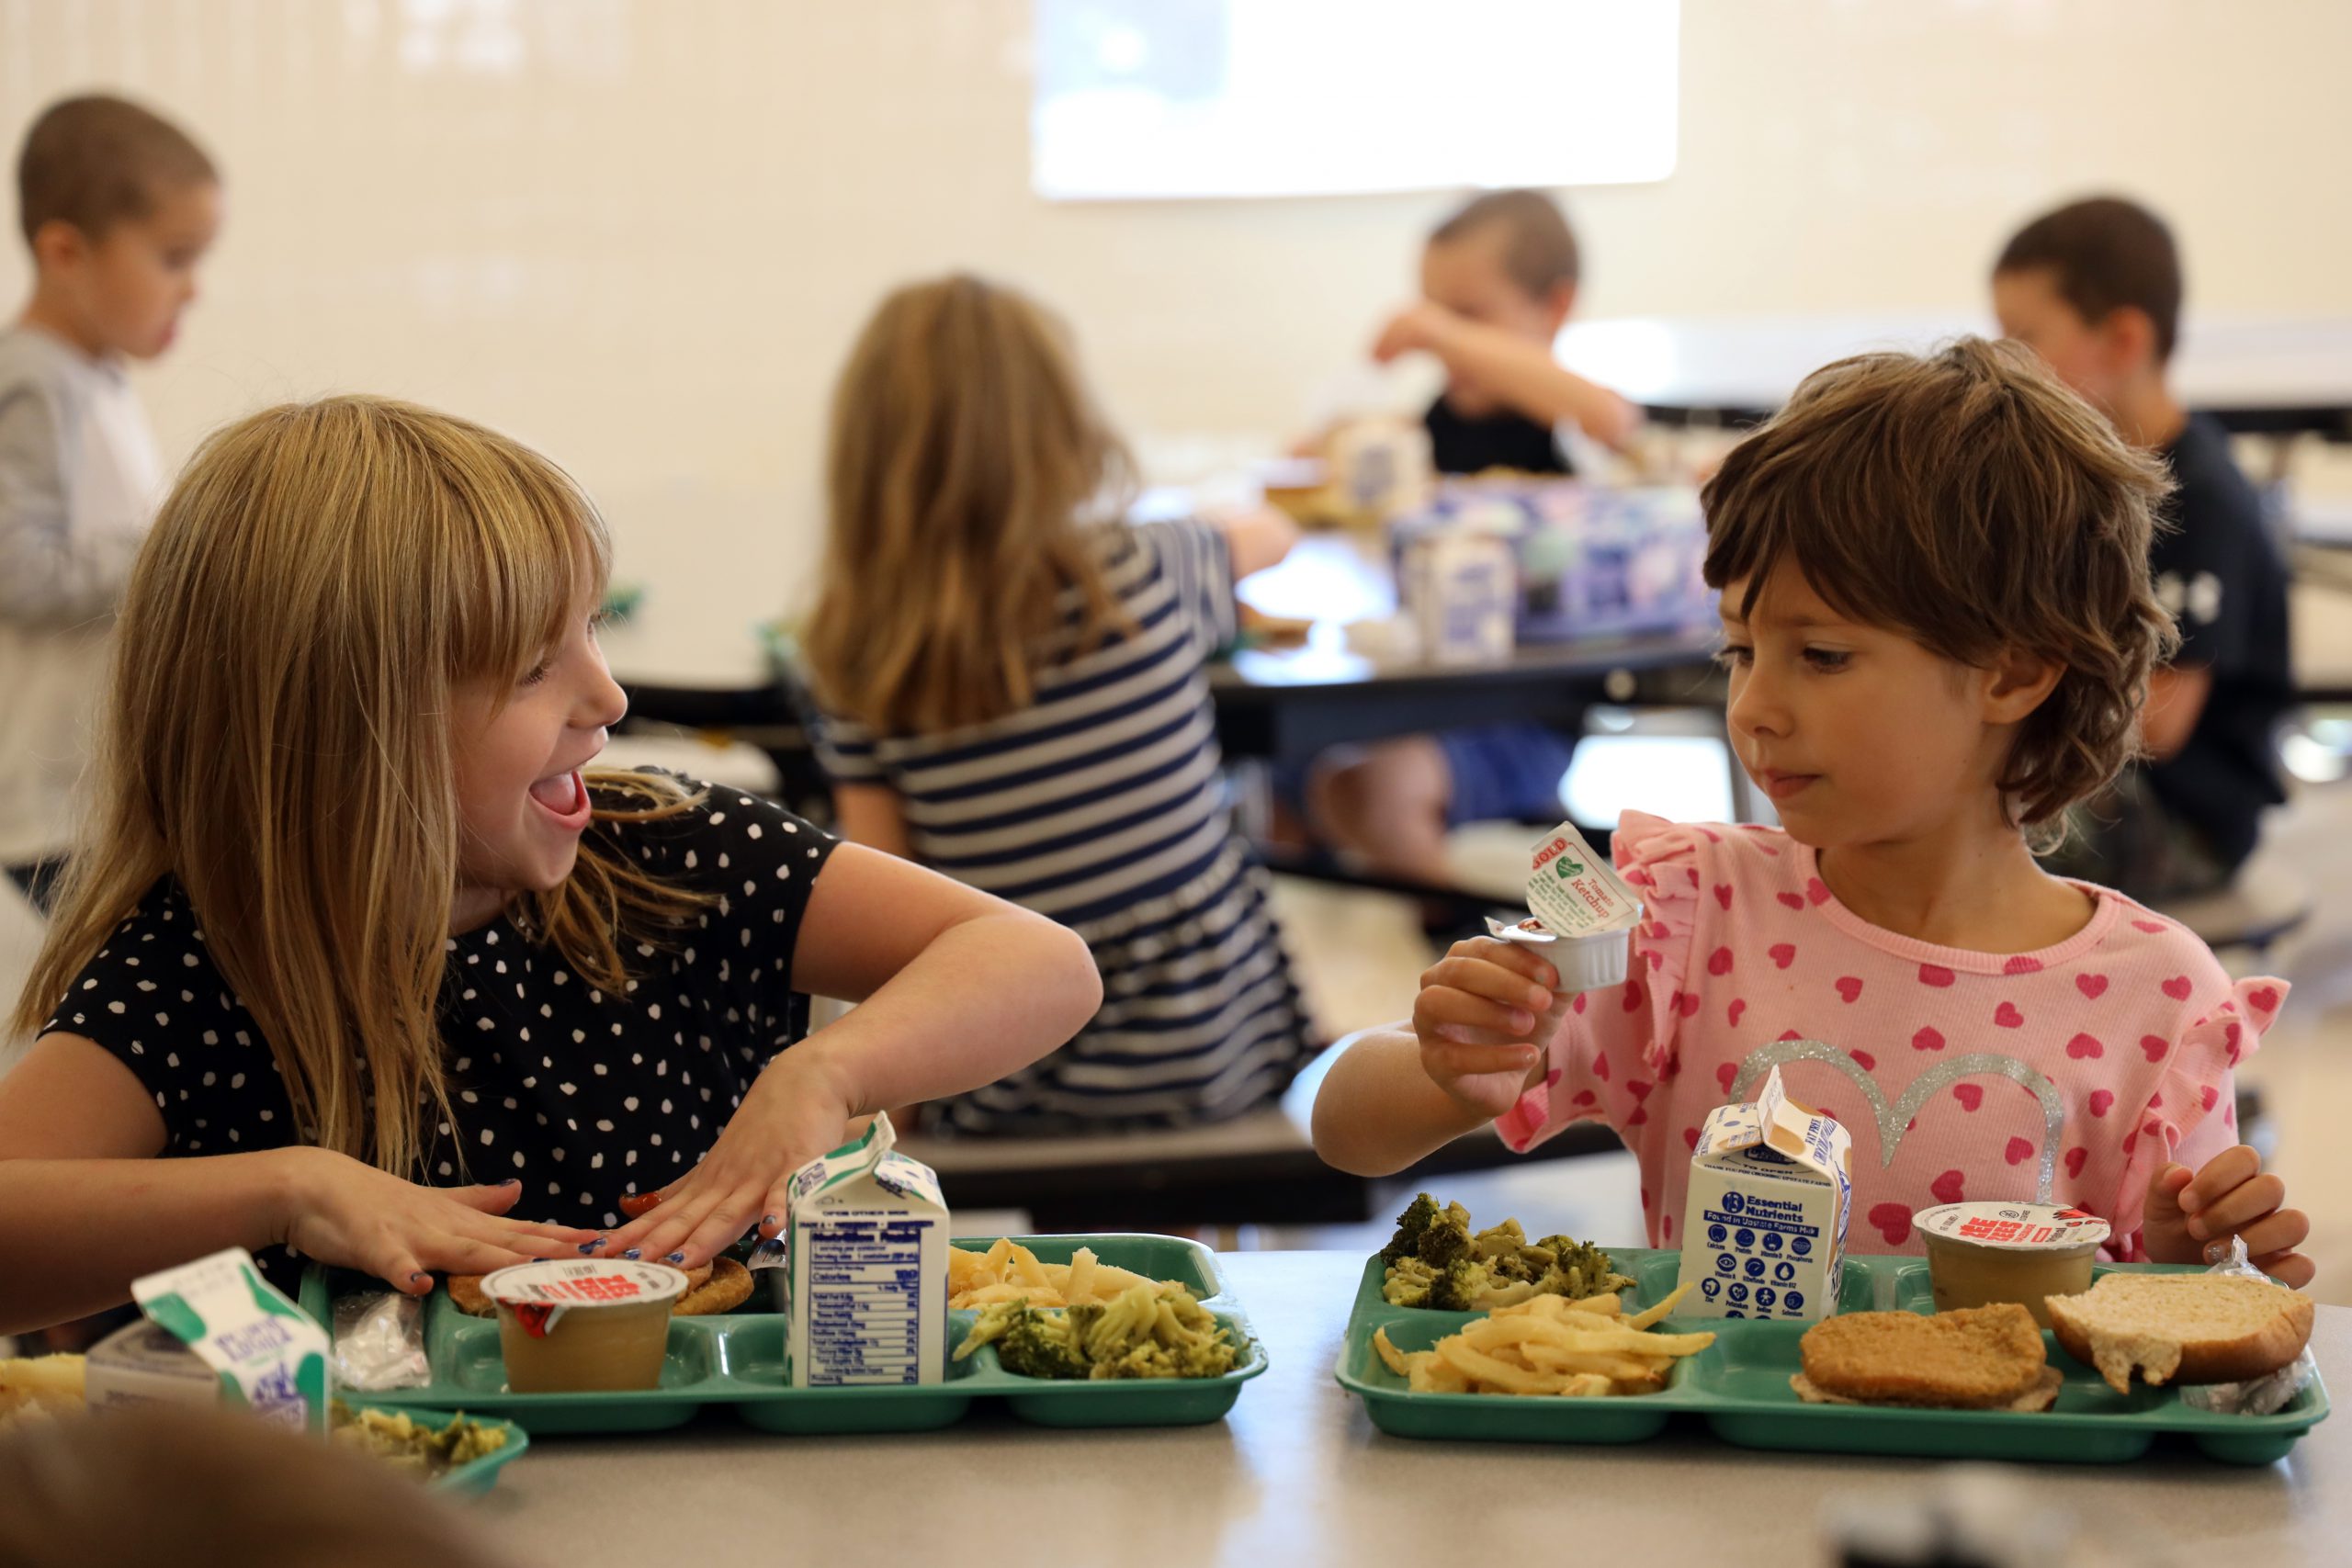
pixel 86 1207
pixel 956 988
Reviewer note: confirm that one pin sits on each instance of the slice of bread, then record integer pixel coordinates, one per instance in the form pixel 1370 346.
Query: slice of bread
pixel 2040 1396
pixel 2190 1328
pixel 1976 1359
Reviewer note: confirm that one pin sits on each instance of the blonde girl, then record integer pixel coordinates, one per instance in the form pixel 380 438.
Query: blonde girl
pixel 1012 693
pixel 360 958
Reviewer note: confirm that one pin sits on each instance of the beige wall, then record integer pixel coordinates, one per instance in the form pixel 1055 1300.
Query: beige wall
pixel 641 232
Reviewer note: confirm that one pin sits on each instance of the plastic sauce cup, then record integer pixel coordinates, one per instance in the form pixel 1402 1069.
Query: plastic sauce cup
pixel 1586 962
pixel 586 1326
pixel 1982 1254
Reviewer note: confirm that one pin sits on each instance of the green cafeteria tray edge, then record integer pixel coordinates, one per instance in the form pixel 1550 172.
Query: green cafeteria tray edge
pixel 1738 1389
pixel 738 1360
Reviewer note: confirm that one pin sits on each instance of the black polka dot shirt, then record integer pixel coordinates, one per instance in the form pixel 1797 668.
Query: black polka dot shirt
pixel 584 1095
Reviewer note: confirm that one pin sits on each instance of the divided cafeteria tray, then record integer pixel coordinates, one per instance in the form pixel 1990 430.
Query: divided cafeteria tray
pixel 738 1360
pixel 1738 1389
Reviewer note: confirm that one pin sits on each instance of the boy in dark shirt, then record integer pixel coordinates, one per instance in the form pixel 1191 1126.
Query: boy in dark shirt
pixel 1498 281
pixel 2094 288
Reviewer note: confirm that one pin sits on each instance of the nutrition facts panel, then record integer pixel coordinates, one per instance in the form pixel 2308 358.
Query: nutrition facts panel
pixel 864 1299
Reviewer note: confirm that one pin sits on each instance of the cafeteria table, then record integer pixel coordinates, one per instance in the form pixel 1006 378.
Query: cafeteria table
pixel 709 672
pixel 2258 374
pixel 1345 684
pixel 1296 1476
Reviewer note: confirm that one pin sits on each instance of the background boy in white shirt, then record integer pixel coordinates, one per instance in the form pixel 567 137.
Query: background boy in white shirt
pixel 119 205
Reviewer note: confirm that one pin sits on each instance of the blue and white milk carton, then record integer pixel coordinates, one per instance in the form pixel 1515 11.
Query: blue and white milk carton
pixel 1764 1224
pixel 1459 588
pixel 867 1246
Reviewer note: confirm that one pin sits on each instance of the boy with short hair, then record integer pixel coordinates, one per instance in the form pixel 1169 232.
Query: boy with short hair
pixel 1498 281
pixel 117 206
pixel 2094 288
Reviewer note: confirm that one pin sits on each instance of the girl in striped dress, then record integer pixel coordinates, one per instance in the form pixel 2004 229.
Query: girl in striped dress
pixel 1010 690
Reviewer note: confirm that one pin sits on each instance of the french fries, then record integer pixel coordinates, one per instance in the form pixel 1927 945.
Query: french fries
pixel 1008 1272
pixel 1550 1345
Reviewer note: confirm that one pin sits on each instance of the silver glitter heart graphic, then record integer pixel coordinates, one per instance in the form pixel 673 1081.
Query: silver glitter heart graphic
pixel 1895 1120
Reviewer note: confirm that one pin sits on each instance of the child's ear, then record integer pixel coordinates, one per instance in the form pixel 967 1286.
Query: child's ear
pixel 2129 334
pixel 58 244
pixel 1559 303
pixel 2017 684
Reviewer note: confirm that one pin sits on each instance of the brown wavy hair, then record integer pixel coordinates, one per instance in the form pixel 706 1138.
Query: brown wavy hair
pixel 1969 501
pixel 321 583
pixel 965 461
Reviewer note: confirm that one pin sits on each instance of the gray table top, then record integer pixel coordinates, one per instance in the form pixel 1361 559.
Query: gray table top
pixel 1297 1477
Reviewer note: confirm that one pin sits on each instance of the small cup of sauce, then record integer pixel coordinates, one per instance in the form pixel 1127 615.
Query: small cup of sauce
pixel 1982 1253
pixel 586 1326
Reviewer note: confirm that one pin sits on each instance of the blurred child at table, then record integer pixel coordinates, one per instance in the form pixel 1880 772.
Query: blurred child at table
pixel 215 1488
pixel 1498 281
pixel 117 206
pixel 2094 288
pixel 1012 686
pixel 362 955
pixel 1938 626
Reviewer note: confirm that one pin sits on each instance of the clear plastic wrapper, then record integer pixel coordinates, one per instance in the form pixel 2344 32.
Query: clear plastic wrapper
pixel 380 1342
pixel 2256 1396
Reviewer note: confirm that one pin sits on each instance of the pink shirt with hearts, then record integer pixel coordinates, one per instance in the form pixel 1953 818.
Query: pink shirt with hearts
pixel 1949 1068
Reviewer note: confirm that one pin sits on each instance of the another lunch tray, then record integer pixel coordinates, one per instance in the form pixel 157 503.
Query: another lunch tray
pixel 737 1358
pixel 1739 1388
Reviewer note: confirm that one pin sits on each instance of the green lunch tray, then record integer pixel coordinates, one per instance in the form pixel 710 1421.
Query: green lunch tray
pixel 469 1480
pixel 1738 1389
pixel 737 1358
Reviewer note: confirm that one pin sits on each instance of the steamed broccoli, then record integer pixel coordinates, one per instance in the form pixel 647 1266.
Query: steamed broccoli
pixel 1042 1345
pixel 1407 1241
pixel 1435 1261
pixel 1459 1285
pixel 1151 1331
pixel 1580 1269
pixel 1028 1341
pixel 1446 1237
pixel 1514 1266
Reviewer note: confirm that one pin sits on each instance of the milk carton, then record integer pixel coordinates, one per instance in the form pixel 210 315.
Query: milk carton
pixel 1460 590
pixel 145 1363
pixel 263 1351
pixel 1764 1225
pixel 866 1248
pixel 1380 467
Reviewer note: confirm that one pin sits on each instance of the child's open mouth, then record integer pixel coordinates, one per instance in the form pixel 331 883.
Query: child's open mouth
pixel 564 797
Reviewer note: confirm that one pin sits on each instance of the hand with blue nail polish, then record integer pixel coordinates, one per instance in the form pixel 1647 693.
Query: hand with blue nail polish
pixel 347 1214
pixel 2190 1214
pixel 798 1108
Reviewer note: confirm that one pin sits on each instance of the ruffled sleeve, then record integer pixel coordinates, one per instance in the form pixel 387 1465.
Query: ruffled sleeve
pixel 1613 1045
pixel 1660 861
pixel 2191 1114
